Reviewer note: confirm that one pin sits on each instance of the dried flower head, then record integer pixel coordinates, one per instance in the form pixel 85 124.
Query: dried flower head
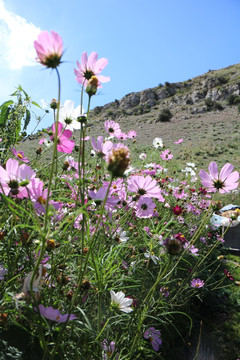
pixel 118 160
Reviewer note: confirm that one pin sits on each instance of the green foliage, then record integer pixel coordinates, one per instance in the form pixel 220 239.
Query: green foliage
pixel 165 115
pixel 223 79
pixel 213 105
pixel 13 117
pixel 233 99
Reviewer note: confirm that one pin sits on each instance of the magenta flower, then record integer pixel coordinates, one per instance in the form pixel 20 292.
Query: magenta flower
pixel 228 275
pixel 145 207
pixel 224 182
pixel 154 336
pixel 112 128
pixel 144 186
pixel 19 155
pixel 197 283
pixel 166 155
pixel 49 48
pixel 54 314
pixel 63 144
pixel 91 67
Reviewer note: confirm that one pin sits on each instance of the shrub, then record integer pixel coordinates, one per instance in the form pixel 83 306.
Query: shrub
pixel 213 105
pixel 233 99
pixel 165 115
pixel 223 80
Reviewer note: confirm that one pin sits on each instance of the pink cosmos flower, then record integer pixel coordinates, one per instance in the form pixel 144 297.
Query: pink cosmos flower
pixel 145 207
pixel 49 48
pixel 63 144
pixel 19 155
pixel 122 136
pixel 112 128
pixel 191 248
pixel 224 182
pixel 15 178
pixel 178 141
pixel 154 336
pixel 179 193
pixel 54 314
pixel 100 147
pixel 197 283
pixel 100 195
pixel 166 155
pixel 144 186
pixel 132 134
pixel 38 196
pixel 70 164
pixel 89 67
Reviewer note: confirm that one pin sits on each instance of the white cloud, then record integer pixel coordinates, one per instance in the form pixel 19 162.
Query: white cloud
pixel 16 39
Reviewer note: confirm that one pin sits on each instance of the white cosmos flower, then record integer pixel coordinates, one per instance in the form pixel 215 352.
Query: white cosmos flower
pixel 189 170
pixel 151 255
pixel 191 165
pixel 36 287
pixel 68 115
pixel 158 143
pixel 118 300
pixel 123 236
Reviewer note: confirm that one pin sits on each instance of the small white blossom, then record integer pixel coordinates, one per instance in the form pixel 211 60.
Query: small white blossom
pixel 123 236
pixel 151 255
pixel 158 143
pixel 118 300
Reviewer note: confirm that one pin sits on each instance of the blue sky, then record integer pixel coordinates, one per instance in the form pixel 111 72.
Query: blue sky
pixel 146 43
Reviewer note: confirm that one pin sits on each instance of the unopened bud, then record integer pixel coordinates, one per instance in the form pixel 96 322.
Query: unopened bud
pixel 82 119
pixel 92 86
pixel 118 161
pixel 53 104
pixel 50 244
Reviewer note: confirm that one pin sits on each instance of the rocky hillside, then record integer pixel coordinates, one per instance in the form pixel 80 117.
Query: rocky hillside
pixel 204 112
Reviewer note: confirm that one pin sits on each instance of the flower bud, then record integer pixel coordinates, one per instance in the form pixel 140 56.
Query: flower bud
pixel 82 119
pixel 50 244
pixel 118 161
pixel 92 86
pixel 53 104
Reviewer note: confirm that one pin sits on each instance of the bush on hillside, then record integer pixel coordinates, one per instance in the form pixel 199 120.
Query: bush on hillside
pixel 164 116
pixel 213 105
pixel 233 99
